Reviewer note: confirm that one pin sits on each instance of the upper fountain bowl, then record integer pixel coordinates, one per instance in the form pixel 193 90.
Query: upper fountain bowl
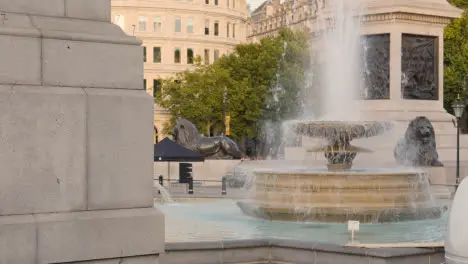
pixel 338 129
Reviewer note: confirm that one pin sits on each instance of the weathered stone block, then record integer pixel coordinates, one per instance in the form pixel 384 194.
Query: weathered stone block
pixel 17 239
pixel 34 7
pixel 131 260
pixel 245 255
pixel 21 60
pixel 333 258
pixel 42 149
pixel 120 162
pixel 88 9
pixel 87 64
pixel 291 255
pixel 106 234
pixel 193 257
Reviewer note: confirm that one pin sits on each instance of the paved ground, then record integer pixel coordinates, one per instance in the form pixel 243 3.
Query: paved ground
pixel 181 191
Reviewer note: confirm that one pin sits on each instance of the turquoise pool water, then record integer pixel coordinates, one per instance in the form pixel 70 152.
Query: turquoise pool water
pixel 223 220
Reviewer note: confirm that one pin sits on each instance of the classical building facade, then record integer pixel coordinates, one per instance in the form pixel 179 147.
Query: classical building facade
pixel 273 15
pixel 175 32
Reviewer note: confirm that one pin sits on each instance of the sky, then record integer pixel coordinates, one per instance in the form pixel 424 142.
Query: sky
pixel 254 3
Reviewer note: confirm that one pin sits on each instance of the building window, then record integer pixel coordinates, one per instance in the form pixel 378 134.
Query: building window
pixel 156 87
pixel 216 55
pixel 216 28
pixel 177 55
pixel 144 84
pixel 144 54
pixel 190 25
pixel 142 21
pixel 157 54
pixel 157 24
pixel 216 2
pixel 228 25
pixel 207 26
pixel 234 30
pixel 177 25
pixel 119 20
pixel 207 56
pixel 190 56
pixel 207 2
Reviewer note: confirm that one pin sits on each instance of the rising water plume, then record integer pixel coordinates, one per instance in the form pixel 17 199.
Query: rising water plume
pixel 339 59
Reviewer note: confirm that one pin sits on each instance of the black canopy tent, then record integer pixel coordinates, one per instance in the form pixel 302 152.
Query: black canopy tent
pixel 167 150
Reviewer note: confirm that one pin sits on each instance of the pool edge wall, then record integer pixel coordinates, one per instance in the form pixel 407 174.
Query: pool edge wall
pixel 278 251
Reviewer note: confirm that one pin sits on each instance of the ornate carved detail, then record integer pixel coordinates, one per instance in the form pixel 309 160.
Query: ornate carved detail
pixel 419 67
pixel 313 6
pixel 376 70
pixel 405 16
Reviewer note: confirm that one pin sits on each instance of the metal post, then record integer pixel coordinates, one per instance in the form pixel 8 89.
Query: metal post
pixel 224 109
pixel 223 186
pixel 458 155
pixel 190 185
pixel 161 182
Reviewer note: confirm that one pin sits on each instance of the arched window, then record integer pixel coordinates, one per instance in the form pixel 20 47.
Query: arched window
pixel 189 56
pixel 177 55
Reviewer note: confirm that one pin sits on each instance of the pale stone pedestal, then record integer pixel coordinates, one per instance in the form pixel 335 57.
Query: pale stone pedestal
pixel 75 138
pixel 396 18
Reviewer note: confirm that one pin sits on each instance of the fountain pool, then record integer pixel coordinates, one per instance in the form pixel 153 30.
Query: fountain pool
pixel 220 220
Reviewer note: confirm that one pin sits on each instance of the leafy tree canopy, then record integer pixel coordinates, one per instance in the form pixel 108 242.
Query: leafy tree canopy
pixel 257 82
pixel 456 56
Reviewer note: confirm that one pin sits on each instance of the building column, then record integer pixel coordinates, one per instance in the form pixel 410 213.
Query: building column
pixel 395 65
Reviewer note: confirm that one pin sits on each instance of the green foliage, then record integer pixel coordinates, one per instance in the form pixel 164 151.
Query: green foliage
pixel 249 75
pixel 456 57
pixel 459 3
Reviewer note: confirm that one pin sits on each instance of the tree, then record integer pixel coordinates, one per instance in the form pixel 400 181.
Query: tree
pixel 456 57
pixel 198 96
pixel 456 61
pixel 285 98
pixel 262 82
pixel 459 3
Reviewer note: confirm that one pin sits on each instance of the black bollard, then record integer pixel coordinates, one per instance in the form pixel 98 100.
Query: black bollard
pixel 223 186
pixel 190 185
pixel 161 182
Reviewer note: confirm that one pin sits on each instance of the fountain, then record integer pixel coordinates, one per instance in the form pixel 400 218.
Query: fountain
pixel 308 205
pixel 165 196
pixel 341 193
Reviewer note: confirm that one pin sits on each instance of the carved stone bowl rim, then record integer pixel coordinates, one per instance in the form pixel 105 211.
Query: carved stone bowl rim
pixel 335 129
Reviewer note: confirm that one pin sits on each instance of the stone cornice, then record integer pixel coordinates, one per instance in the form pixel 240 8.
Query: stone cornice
pixel 402 16
pixel 189 9
pixel 365 19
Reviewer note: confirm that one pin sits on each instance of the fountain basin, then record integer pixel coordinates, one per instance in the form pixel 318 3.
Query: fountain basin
pixel 338 134
pixel 368 196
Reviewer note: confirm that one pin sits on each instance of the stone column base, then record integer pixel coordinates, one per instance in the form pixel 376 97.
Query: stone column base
pixel 105 236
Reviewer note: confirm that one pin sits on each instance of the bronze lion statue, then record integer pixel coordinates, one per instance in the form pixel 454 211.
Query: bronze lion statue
pixel 220 147
pixel 418 146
